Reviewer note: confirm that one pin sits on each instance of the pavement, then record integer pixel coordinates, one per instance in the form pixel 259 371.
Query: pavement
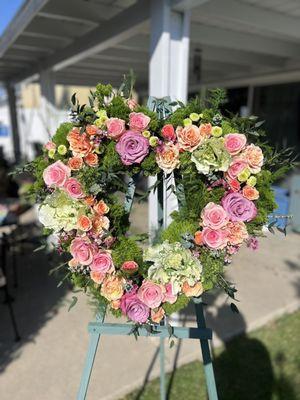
pixel 47 363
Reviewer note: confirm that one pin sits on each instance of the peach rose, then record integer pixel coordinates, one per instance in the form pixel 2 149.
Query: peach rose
pixel 138 121
pixel 205 129
pixel 89 201
pixel 112 287
pixel 79 143
pixel 189 137
pixel 56 174
pixel 234 143
pixel 84 223
pixel 97 277
pixel 92 130
pixel 75 163
pixel 101 207
pixel 167 157
pixel 253 155
pixel 100 224
pixel 73 188
pixel 158 315
pixel 73 263
pixel 192 291
pixel 198 238
pixel 115 304
pixel 237 232
pixel 115 127
pixel 250 192
pixel 91 159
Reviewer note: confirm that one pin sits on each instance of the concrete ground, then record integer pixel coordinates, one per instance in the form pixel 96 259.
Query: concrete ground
pixel 47 363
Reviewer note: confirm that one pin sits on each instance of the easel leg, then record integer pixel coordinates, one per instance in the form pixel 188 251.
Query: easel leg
pixel 89 362
pixel 207 362
pixel 162 369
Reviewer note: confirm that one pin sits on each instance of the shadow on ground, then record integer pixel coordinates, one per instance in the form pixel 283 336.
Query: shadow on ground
pixel 36 300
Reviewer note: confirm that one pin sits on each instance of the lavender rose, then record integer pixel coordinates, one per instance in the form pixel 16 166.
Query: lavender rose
pixel 238 207
pixel 134 308
pixel 132 147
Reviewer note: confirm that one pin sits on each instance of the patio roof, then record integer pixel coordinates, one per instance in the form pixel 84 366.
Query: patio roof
pixel 232 42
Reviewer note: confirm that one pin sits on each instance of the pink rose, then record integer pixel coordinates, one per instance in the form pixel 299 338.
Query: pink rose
pixel 82 250
pixel 170 296
pixel 214 216
pixel 168 132
pixel 130 267
pixel 234 142
pixel 138 121
pixel 102 262
pixel 150 293
pixel 73 188
pixel 56 174
pixel 236 167
pixel 214 239
pixel 133 307
pixel 115 127
pixel 238 207
pixel 253 155
pixel 132 147
pixel 132 104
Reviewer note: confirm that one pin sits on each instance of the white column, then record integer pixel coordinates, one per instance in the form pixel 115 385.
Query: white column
pixel 11 96
pixel 168 76
pixel 48 110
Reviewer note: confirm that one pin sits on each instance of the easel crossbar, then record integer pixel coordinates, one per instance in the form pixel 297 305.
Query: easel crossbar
pixel 157 331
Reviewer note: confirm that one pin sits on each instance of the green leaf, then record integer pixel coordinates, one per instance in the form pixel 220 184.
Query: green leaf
pixel 42 247
pixel 73 302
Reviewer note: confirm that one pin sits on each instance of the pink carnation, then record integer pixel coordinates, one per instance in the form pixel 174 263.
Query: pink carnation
pixel 102 262
pixel 214 216
pixel 234 142
pixel 214 239
pixel 133 307
pixel 82 250
pixel 238 207
pixel 115 127
pixel 73 188
pixel 150 293
pixel 56 174
pixel 138 121
pixel 132 147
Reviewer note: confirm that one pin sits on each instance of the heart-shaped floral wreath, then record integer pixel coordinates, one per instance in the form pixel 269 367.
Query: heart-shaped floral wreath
pixel 223 173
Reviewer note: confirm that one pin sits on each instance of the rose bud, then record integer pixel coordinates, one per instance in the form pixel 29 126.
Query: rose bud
pixel 129 267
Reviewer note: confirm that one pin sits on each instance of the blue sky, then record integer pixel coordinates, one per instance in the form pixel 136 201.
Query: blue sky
pixel 8 10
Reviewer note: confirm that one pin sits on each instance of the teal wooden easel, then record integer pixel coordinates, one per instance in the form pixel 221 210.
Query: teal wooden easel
pixel 99 327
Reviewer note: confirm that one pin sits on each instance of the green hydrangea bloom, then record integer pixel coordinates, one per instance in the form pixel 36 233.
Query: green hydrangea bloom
pixel 172 263
pixel 59 211
pixel 211 156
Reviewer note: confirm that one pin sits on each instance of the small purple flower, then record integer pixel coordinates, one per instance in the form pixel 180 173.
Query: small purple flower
pixel 252 243
pixel 132 147
pixel 238 207
pixel 134 308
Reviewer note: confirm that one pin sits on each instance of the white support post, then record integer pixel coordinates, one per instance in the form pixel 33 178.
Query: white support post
pixel 48 109
pixel 168 76
pixel 11 96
